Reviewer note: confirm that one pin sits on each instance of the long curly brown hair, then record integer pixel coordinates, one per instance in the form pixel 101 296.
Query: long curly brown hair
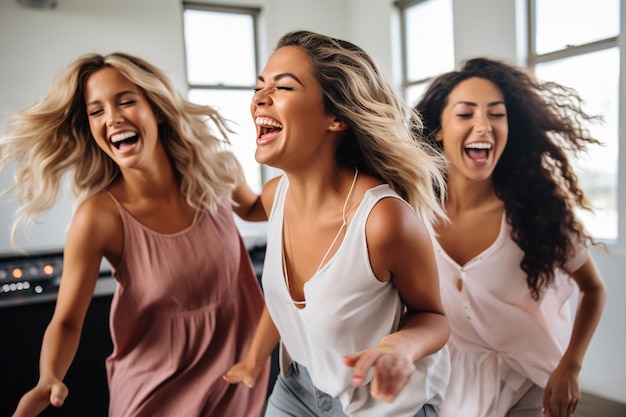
pixel 534 177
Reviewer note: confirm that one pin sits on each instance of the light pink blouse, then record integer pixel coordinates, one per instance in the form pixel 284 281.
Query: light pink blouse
pixel 501 337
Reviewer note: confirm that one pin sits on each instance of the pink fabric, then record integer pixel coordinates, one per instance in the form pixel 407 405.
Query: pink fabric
pixel 184 312
pixel 500 337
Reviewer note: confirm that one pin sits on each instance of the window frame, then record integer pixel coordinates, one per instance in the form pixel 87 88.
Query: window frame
pixel 406 84
pixel 567 52
pixel 533 59
pixel 254 13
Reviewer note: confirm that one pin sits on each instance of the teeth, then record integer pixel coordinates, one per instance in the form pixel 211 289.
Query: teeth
pixel 266 121
pixel 479 145
pixel 122 136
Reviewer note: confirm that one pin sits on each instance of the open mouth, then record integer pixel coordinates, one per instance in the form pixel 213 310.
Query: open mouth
pixel 267 126
pixel 124 139
pixel 478 151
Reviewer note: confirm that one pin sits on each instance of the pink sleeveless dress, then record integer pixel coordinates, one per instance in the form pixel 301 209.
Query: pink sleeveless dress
pixel 185 310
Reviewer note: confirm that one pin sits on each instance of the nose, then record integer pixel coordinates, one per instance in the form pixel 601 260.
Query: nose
pixel 115 118
pixel 261 97
pixel 483 126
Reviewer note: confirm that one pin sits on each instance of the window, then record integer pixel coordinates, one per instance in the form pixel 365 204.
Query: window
pixel 427 43
pixel 574 42
pixel 221 54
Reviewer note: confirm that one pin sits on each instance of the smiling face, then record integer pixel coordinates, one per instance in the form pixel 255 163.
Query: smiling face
pixel 121 119
pixel 288 111
pixel 474 129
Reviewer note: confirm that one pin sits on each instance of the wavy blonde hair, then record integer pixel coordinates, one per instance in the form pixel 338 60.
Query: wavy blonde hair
pixel 51 139
pixel 381 138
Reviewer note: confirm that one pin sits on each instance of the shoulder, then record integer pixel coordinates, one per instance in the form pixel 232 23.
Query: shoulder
pixel 399 243
pixel 99 208
pixel 391 219
pixel 97 220
pixel 269 192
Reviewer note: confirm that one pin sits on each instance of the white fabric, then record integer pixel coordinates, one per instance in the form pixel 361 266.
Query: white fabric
pixel 501 337
pixel 347 310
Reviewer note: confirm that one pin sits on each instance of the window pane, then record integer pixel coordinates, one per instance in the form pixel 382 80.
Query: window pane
pixel 414 93
pixel 560 23
pixel 220 48
pixel 234 105
pixel 598 170
pixel 429 39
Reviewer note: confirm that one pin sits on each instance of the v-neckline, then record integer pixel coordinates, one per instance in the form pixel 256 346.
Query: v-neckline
pixel 486 252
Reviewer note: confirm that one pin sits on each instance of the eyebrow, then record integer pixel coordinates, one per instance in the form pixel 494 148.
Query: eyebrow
pixel 282 75
pixel 471 103
pixel 118 95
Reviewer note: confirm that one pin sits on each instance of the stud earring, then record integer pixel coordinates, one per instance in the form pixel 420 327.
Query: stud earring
pixel 333 127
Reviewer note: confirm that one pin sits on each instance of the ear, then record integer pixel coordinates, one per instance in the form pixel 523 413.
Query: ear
pixel 438 136
pixel 337 126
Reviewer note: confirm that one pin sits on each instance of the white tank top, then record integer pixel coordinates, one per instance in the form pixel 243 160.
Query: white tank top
pixel 347 310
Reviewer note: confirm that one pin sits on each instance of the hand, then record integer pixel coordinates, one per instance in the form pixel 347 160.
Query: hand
pixel 562 393
pixel 44 394
pixel 243 371
pixel 392 371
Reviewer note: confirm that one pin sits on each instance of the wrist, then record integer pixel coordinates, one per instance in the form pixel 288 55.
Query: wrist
pixel 392 350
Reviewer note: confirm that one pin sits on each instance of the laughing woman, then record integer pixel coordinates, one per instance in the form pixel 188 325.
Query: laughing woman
pixel 155 185
pixel 350 279
pixel 513 249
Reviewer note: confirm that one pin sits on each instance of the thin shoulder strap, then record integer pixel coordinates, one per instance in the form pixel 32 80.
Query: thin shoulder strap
pixel 115 200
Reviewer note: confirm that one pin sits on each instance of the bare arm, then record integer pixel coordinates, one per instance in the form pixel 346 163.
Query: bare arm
pixel 265 340
pixel 562 390
pixel 401 251
pixel 81 263
pixel 266 336
pixel 248 204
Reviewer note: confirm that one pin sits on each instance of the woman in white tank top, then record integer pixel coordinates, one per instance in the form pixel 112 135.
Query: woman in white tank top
pixel 350 277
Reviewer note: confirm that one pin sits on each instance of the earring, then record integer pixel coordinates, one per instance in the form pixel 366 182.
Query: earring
pixel 333 126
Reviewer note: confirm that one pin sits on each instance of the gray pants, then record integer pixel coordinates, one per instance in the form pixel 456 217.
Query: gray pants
pixel 529 404
pixel 296 396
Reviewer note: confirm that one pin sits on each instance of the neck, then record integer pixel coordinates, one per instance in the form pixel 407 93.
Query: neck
pixel 466 195
pixel 313 192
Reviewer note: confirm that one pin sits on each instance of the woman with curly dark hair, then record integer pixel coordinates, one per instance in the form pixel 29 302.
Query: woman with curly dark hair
pixel 513 249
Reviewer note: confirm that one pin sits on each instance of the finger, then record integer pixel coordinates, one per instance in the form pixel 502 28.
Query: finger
pixel 559 410
pixel 546 402
pixel 58 394
pixel 231 378
pixel 240 377
pixel 571 408
pixel 349 360
pixel 361 367
pixel 249 382
pixel 390 375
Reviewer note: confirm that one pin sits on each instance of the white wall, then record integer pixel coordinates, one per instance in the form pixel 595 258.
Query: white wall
pixel 34 44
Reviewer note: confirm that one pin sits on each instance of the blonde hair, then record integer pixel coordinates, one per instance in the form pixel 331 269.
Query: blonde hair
pixel 51 139
pixel 381 140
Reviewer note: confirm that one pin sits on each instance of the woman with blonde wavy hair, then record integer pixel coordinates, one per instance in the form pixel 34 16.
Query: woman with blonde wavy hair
pixel 350 278
pixel 155 181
